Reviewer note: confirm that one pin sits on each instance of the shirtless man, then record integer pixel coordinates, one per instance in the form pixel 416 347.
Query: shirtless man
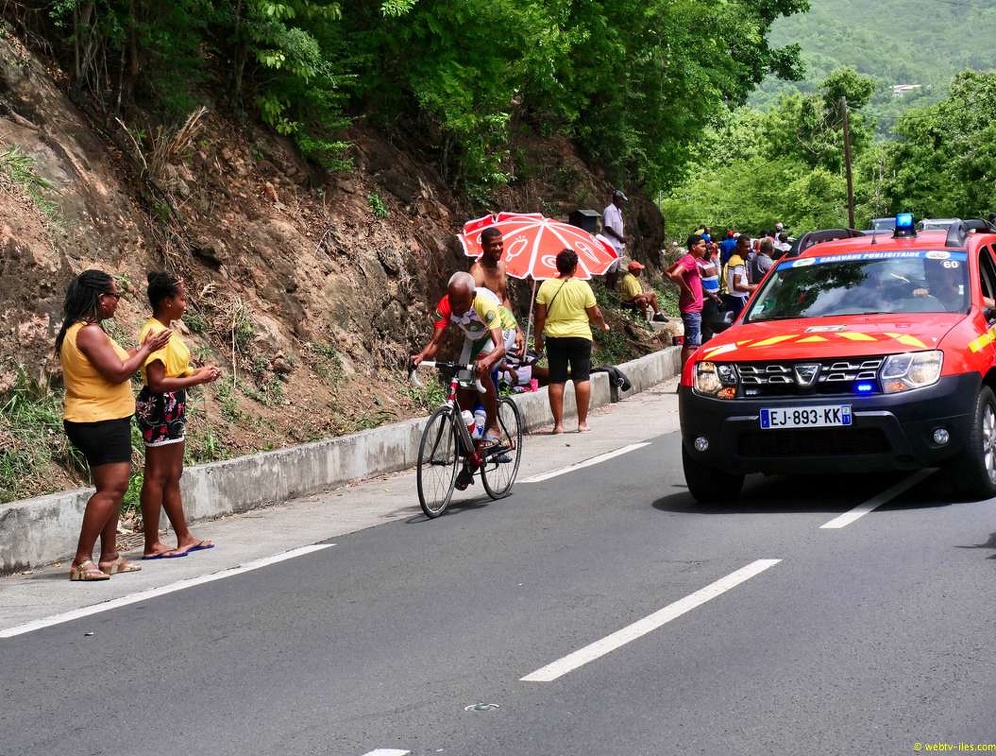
pixel 489 273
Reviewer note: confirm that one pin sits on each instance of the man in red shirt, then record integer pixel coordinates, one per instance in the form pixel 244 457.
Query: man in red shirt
pixel 685 273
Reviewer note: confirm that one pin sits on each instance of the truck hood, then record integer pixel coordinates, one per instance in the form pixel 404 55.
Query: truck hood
pixel 848 336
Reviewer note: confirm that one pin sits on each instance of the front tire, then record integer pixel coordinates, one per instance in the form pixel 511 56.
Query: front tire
pixel 437 463
pixel 708 484
pixel 973 471
pixel 500 467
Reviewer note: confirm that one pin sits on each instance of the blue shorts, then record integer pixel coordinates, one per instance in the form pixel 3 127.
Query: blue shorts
pixel 693 328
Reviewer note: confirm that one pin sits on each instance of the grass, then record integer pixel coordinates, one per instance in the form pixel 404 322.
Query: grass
pixel 20 170
pixel 34 412
pixel 333 371
pixel 428 396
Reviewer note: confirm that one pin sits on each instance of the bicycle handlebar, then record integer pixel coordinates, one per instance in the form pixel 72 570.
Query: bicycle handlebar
pixel 454 366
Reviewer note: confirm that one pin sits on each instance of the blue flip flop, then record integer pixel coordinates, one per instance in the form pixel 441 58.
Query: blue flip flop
pixel 200 546
pixel 166 555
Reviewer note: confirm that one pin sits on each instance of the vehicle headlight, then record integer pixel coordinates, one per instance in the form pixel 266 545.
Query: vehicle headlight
pixel 716 379
pixel 902 372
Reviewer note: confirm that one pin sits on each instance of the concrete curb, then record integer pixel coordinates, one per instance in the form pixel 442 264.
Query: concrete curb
pixel 45 529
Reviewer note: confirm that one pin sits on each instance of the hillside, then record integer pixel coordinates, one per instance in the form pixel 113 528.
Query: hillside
pixel 897 42
pixel 309 288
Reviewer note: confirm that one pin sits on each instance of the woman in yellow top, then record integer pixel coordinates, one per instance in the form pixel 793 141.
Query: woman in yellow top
pixel 97 416
pixel 161 413
pixel 565 307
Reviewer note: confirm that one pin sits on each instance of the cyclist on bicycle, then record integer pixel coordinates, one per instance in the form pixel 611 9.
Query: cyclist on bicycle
pixel 489 332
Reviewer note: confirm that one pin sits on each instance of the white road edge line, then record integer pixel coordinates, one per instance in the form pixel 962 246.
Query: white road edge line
pixel 648 624
pixel 387 752
pixel 842 521
pixel 180 585
pixel 586 463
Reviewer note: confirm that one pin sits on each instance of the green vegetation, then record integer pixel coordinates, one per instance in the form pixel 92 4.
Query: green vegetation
pixel 20 170
pixel 36 413
pixel 787 164
pixel 633 82
pixel 896 42
pixel 377 206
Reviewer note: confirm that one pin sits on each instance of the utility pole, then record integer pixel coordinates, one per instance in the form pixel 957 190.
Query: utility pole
pixel 847 164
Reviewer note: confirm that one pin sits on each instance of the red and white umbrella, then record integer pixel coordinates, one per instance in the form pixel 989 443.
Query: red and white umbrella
pixel 532 242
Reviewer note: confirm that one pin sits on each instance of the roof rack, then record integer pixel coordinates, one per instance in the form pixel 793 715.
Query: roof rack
pixel 958 232
pixel 828 234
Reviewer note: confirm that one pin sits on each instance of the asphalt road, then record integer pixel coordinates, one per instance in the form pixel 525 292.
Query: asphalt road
pixel 641 622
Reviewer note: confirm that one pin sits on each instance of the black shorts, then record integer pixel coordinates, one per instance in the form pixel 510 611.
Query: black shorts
pixel 574 350
pixel 102 443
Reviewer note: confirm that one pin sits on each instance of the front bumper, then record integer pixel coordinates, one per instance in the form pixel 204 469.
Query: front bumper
pixel 888 432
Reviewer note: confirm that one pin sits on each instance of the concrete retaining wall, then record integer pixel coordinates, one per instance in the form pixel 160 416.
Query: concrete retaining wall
pixel 46 528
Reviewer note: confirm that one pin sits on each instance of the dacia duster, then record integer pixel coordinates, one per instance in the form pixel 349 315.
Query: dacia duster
pixel 862 353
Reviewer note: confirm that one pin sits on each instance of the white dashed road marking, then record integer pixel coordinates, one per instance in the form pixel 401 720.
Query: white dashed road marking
pixel 648 624
pixel 876 501
pixel 586 463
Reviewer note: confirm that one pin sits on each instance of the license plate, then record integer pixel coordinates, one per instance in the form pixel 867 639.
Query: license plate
pixel 829 415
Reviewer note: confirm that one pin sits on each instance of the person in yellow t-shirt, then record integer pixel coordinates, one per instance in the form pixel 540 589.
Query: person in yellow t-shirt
pixel 97 415
pixel 565 308
pixel 161 413
pixel 632 294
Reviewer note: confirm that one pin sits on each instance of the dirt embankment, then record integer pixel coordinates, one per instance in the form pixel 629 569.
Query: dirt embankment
pixel 309 292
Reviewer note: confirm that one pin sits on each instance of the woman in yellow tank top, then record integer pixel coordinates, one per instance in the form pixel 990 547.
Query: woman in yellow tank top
pixel 97 416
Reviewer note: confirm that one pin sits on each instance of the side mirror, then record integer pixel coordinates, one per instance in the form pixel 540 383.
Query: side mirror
pixel 990 313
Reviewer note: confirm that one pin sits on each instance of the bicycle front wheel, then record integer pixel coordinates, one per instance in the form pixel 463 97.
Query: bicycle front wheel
pixel 437 463
pixel 501 463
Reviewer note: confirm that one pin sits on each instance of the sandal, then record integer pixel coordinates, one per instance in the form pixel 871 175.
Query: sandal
pixel 87 571
pixel 119 565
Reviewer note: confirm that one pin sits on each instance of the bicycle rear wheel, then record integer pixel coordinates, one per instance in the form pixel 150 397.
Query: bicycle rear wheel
pixel 501 464
pixel 437 463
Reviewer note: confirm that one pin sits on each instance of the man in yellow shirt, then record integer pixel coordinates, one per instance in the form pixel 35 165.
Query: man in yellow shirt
pixel 633 295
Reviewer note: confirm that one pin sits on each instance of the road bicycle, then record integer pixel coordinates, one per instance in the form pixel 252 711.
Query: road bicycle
pixel 447 446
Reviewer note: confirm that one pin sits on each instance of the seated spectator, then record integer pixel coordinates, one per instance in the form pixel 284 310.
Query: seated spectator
pixel 632 293
pixel 518 374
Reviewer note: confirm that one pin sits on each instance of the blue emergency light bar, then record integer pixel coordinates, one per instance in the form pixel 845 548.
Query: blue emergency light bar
pixel 905 225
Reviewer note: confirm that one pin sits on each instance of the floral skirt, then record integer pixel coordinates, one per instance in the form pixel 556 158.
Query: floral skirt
pixel 161 417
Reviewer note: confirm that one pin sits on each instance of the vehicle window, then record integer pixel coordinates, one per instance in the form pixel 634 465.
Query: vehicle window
pixel 987 272
pixel 863 284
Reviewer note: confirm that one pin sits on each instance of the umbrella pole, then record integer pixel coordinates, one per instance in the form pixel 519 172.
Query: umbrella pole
pixel 529 321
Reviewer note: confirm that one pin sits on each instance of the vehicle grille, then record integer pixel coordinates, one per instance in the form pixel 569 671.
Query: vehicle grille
pixel 821 442
pixel 762 379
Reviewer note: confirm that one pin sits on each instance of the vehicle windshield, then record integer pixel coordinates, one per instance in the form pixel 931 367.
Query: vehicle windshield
pixel 862 284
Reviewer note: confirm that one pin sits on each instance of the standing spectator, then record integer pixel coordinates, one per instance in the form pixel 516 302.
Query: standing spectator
pixel 709 268
pixel 565 309
pixel 489 273
pixel 685 273
pixel 612 229
pixel 734 282
pixel 161 417
pixel 97 414
pixel 761 263
pixel 727 246
pixel 633 295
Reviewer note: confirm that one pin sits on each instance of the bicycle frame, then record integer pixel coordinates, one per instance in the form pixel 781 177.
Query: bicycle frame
pixel 469 447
